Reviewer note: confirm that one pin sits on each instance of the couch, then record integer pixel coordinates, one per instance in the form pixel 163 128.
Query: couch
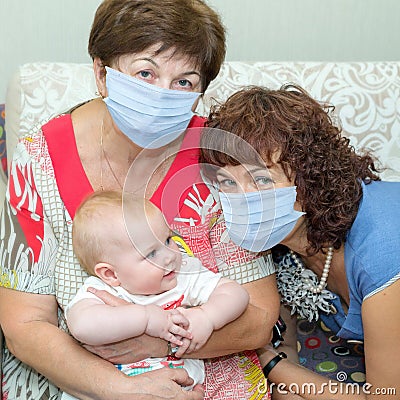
pixel 367 100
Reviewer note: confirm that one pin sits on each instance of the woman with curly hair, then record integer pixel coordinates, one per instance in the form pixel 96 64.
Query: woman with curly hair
pixel 287 176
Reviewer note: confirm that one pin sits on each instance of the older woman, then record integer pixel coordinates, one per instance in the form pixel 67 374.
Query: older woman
pixel 300 183
pixel 152 59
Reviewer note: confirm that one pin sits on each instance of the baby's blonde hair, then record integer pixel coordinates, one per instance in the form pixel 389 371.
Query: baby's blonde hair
pixel 94 232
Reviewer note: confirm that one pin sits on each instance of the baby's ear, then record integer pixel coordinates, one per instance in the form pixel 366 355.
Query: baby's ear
pixel 106 273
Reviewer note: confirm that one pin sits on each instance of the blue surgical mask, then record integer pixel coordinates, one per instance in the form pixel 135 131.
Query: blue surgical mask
pixel 260 220
pixel 148 115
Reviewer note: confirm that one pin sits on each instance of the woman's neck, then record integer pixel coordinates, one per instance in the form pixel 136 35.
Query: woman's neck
pixel 111 160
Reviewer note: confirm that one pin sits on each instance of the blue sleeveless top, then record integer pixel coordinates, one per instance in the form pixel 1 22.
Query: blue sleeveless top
pixel 371 254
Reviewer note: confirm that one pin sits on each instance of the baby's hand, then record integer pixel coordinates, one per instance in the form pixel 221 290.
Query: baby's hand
pixel 200 327
pixel 170 325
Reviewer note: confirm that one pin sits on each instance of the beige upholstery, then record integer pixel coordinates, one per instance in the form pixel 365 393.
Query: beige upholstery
pixel 38 91
pixel 366 96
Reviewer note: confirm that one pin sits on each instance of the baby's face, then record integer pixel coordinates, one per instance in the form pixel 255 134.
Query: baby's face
pixel 149 260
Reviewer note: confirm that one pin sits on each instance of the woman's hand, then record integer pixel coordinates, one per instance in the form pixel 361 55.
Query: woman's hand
pixel 107 297
pixel 164 383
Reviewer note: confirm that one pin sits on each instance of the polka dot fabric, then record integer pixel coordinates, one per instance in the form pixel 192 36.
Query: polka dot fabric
pixel 323 352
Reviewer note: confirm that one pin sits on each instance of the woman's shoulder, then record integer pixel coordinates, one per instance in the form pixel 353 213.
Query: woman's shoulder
pixel 373 239
pixel 32 145
pixel 37 134
pixel 377 188
pixel 378 209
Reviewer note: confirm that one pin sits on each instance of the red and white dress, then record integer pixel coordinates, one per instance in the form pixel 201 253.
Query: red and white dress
pixel 46 185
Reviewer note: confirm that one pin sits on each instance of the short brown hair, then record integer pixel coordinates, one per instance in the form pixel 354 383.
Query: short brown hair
pixel 290 124
pixel 190 27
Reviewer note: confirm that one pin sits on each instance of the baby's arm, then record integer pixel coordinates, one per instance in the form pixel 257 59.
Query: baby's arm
pixel 226 303
pixel 92 322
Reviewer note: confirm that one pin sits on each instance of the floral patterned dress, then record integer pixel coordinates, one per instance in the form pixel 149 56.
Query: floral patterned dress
pixel 46 185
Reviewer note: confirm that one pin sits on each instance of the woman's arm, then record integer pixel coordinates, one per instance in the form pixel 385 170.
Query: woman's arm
pixel 29 323
pixel 289 344
pixel 288 378
pixel 381 323
pixel 259 318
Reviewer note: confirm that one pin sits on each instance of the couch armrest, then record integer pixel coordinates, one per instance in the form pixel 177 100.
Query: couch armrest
pixel 38 91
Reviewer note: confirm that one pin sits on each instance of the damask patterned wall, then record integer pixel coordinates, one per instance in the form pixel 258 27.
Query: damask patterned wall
pixel 258 30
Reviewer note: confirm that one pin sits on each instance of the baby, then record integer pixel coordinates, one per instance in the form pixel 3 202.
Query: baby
pixel 126 246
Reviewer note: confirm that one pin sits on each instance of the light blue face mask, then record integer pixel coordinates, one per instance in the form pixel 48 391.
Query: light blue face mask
pixel 148 115
pixel 260 220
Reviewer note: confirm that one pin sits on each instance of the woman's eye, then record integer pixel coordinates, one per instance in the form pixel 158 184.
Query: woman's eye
pixel 226 182
pixel 144 74
pixel 263 181
pixel 183 84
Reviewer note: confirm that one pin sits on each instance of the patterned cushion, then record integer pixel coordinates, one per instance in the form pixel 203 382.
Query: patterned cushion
pixel 38 91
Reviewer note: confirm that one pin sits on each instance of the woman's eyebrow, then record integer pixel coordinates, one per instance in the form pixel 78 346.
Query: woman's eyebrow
pixel 192 73
pixel 257 169
pixel 150 60
pixel 223 173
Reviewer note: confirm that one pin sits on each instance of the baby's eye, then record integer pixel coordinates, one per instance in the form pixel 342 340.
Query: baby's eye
pixel 151 254
pixel 168 241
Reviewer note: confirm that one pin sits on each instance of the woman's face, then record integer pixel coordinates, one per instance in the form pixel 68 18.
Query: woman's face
pixel 154 112
pixel 165 70
pixel 251 178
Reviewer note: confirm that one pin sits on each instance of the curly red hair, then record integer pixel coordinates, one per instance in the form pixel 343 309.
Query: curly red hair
pixel 290 124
